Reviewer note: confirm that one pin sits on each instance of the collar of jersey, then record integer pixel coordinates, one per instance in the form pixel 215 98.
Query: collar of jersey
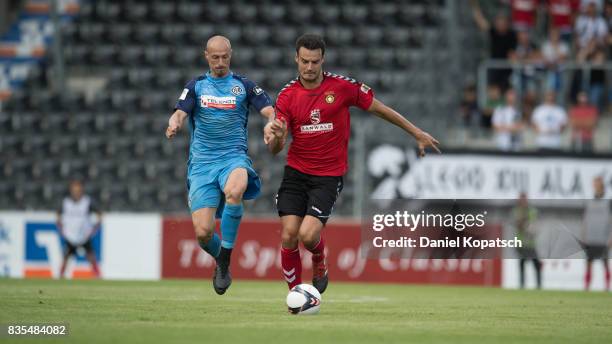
pixel 212 78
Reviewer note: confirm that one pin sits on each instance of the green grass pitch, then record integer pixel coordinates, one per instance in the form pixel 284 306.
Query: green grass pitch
pixel 188 311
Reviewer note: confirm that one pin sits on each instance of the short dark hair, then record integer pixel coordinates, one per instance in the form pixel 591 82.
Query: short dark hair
pixel 311 42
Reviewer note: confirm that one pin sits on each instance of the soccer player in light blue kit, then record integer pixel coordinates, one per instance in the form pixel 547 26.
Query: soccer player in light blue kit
pixel 219 173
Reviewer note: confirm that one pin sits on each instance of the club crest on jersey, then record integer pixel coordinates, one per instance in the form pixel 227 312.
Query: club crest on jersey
pixel 236 90
pixel 315 116
pixel 316 126
pixel 214 102
pixel 329 98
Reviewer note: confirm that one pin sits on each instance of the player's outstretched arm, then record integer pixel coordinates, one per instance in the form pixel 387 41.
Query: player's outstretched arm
pixel 175 123
pixel 275 135
pixel 422 138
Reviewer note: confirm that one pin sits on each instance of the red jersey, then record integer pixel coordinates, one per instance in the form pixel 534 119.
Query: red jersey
pixel 319 122
pixel 523 13
pixel 561 12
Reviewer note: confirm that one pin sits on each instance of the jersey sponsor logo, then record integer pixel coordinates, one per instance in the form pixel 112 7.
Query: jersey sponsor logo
pixel 184 94
pixel 316 128
pixel 315 116
pixel 365 88
pixel 257 90
pixel 236 90
pixel 214 102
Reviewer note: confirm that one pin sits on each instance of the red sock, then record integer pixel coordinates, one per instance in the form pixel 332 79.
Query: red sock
pixel 94 267
pixel 318 251
pixel 587 277
pixel 292 266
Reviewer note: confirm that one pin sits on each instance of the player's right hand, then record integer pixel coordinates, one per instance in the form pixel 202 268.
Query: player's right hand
pixel 275 129
pixel 171 131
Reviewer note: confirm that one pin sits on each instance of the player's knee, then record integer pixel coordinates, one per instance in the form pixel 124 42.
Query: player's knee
pixel 309 237
pixel 203 232
pixel 289 238
pixel 233 195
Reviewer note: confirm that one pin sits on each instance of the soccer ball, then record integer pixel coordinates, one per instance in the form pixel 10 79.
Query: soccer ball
pixel 304 299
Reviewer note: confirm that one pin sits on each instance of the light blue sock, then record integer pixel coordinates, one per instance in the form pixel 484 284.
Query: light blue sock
pixel 232 214
pixel 213 246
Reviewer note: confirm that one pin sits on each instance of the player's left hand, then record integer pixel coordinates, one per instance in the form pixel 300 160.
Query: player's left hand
pixel 425 140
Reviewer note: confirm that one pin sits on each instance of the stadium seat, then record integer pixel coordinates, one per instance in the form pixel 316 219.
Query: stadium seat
pixel 255 35
pixel 162 11
pixel 283 36
pixel 91 32
pixel 141 78
pixel 199 34
pixel 327 14
pixel 104 55
pixel 339 36
pixel 368 36
pixel 108 11
pixel 243 13
pixel 189 12
pixel 119 33
pixel 266 57
pixel 272 14
pixel 299 14
pixel 243 57
pixel 146 34
pixel 130 55
pixel 217 13
pixel 156 55
pixel 173 33
pixel 354 13
pixel 135 12
pixel 383 13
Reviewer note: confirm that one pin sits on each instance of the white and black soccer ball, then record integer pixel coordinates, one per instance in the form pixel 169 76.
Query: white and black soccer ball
pixel 304 299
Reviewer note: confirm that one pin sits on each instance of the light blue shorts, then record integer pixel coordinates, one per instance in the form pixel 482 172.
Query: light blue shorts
pixel 205 182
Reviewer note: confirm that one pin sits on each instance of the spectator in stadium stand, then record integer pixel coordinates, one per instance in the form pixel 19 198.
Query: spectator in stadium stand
pixel 562 14
pixel 502 41
pixel 526 57
pixel 591 33
pixel 508 124
pixel 524 216
pixel 75 227
pixel 494 99
pixel 583 118
pixel 597 231
pixel 470 113
pixel 549 120
pixel 554 53
pixel 524 14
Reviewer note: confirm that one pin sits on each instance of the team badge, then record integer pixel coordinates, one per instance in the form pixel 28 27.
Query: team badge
pixel 236 90
pixel 315 116
pixel 330 98
pixel 257 90
pixel 365 88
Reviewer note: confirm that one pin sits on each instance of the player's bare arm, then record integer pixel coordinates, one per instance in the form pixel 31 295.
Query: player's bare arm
pixel 275 135
pixel 423 139
pixel 175 123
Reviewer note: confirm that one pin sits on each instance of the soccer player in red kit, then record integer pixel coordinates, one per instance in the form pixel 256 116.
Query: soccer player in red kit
pixel 314 108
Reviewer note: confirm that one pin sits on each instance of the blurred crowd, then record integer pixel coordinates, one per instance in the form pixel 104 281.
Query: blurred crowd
pixel 555 76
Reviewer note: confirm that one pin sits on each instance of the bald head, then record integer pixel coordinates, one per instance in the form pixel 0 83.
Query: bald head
pixel 218 54
pixel 218 43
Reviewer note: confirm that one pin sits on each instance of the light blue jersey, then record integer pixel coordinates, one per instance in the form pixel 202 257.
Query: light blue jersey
pixel 218 111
